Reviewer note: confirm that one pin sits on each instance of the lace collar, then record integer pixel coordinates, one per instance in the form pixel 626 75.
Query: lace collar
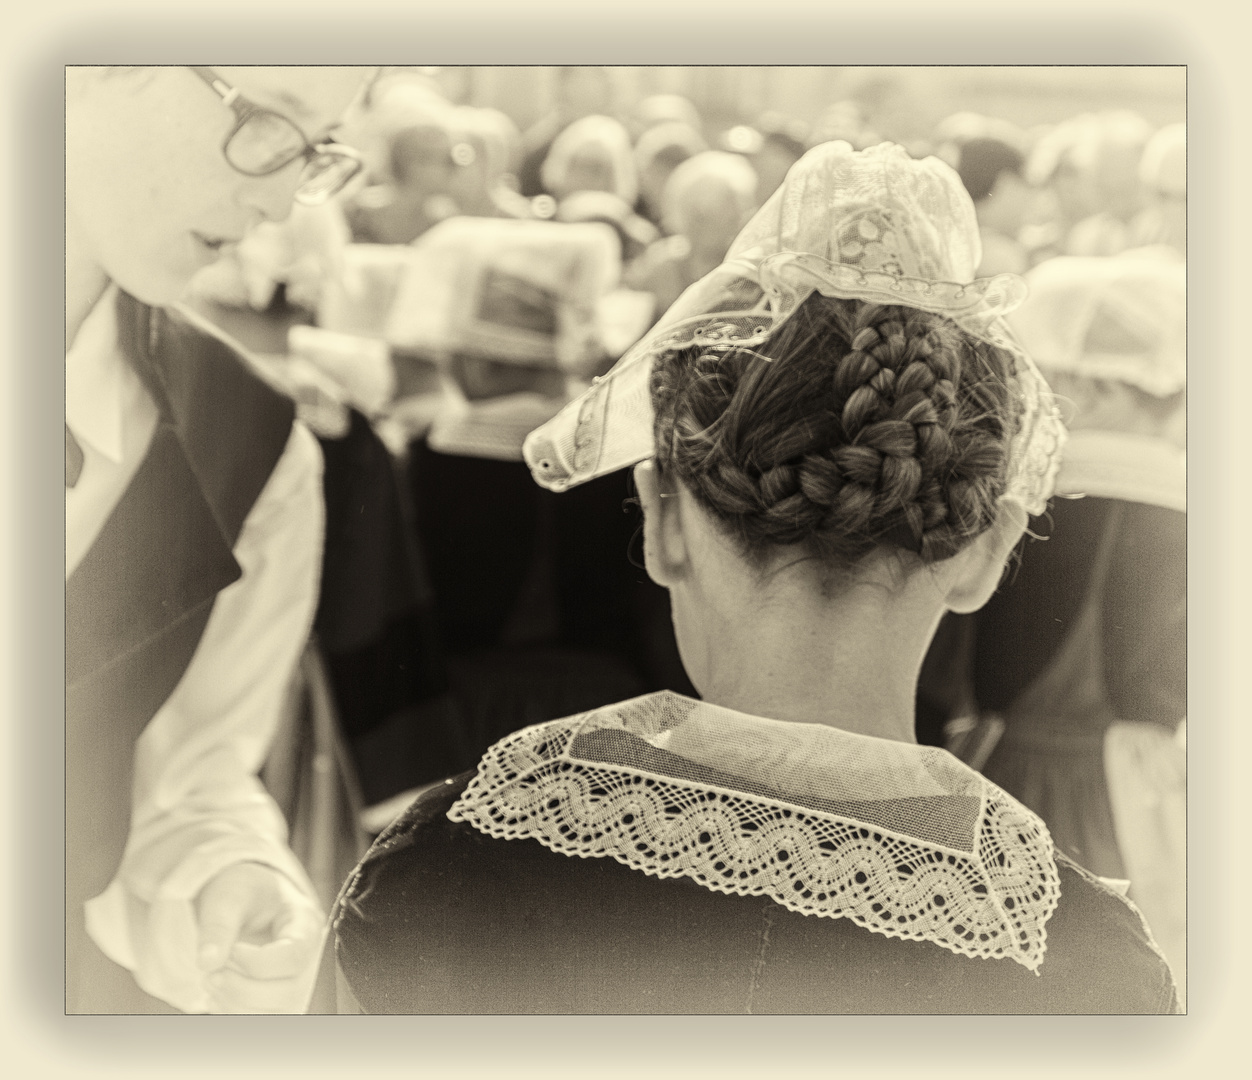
pixel 904 840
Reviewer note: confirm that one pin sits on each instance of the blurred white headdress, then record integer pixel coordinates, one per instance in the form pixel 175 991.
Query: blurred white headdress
pixel 518 292
pixel 602 134
pixel 1163 168
pixel 873 225
pixel 1116 318
pixel 522 296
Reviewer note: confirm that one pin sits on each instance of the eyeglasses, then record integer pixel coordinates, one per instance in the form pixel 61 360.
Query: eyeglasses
pixel 263 142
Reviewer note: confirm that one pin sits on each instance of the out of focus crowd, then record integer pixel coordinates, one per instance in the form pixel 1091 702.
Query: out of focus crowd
pixel 675 191
pixel 478 274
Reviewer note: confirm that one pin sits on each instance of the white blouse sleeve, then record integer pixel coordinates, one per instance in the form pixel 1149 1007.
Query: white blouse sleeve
pixel 198 805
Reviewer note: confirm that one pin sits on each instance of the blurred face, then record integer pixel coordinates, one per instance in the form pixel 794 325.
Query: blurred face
pixel 1118 180
pixel 652 181
pixel 1075 193
pixel 772 163
pixel 1012 204
pixel 150 199
pixel 470 185
pixel 422 160
pixel 590 170
pixel 712 218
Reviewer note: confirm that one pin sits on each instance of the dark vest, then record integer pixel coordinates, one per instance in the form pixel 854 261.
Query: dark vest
pixel 137 604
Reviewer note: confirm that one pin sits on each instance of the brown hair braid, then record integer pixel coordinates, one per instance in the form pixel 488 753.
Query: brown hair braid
pixel 857 426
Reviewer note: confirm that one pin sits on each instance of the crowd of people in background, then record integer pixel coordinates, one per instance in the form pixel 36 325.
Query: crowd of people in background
pixel 1094 184
pixel 526 610
pixel 676 192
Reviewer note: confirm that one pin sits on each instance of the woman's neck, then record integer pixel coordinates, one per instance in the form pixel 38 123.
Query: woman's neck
pixel 851 662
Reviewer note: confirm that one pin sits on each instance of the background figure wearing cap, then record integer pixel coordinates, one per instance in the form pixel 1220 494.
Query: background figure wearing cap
pixel 652 856
pixel 991 171
pixel 1092 165
pixel 592 154
pixel 488 153
pixel 193 531
pixel 783 142
pixel 1082 655
pixel 844 121
pixel 658 152
pixel 1162 226
pixel 657 109
pixel 1061 164
pixel 706 201
pixel 412 128
pixel 580 91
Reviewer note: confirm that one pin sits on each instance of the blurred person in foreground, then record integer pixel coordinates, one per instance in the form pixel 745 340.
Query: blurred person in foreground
pixel 706 201
pixel 193 534
pixel 1082 656
pixel 834 441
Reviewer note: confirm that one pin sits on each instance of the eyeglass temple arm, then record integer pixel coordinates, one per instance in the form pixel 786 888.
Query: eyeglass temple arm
pixel 219 86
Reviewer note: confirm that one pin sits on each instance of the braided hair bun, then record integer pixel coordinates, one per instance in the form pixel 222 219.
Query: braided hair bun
pixel 856 426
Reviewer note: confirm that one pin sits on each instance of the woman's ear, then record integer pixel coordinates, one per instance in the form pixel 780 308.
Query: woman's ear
pixel 664 542
pixel 980 568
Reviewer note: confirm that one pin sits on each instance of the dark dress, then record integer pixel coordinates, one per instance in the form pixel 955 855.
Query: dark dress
pixel 1092 629
pixel 440 918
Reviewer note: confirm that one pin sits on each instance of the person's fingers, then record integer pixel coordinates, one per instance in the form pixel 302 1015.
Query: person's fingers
pixel 223 909
pixel 236 993
pixel 240 902
pixel 286 956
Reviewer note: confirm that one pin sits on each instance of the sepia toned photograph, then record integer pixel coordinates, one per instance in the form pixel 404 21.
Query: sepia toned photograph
pixel 580 540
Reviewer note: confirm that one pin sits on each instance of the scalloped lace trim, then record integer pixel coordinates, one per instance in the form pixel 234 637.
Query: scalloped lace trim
pixel 987 892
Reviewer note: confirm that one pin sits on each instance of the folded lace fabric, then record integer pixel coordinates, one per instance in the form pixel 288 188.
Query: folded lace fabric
pixel 903 839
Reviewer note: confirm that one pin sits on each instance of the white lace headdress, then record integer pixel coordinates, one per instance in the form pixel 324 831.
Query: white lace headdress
pixel 870 225
pixel 902 839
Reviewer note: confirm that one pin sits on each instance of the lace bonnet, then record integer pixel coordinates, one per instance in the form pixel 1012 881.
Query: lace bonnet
pixel 873 225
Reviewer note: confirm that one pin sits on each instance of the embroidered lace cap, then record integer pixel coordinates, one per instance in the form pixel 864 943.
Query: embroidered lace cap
pixel 870 225
pixel 1115 318
pixel 904 840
